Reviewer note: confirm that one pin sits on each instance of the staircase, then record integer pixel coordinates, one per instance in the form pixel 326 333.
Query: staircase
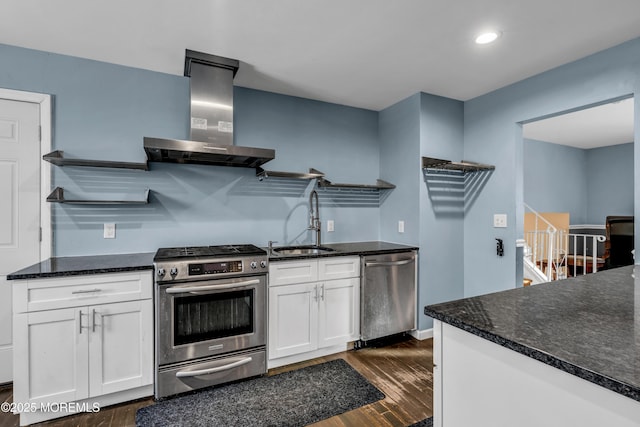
pixel 544 251
pixel 547 254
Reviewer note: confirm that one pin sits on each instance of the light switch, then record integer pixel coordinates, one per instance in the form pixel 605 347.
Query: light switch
pixel 110 231
pixel 330 225
pixel 500 220
pixel 400 226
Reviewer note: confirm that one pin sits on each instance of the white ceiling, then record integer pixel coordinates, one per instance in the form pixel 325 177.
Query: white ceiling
pixel 362 53
pixel 604 125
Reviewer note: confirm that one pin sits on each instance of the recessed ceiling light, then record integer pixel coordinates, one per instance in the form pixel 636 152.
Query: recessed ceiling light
pixel 487 37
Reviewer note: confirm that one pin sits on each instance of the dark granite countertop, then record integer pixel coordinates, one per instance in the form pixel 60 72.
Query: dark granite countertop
pixel 79 265
pixel 96 264
pixel 588 326
pixel 351 248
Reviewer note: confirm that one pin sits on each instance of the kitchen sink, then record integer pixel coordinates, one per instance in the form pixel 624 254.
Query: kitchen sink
pixel 301 250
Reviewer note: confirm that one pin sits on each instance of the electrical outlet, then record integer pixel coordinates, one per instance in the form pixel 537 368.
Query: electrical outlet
pixel 110 231
pixel 500 220
pixel 400 226
pixel 330 225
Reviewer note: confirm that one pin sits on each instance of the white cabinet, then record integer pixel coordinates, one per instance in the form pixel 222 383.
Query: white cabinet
pixel 82 350
pixel 313 308
pixel 120 346
pixel 338 311
pixel 497 386
pixel 293 319
pixel 51 363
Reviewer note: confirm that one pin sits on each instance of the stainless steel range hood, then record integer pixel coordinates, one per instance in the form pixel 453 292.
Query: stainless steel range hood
pixel 211 119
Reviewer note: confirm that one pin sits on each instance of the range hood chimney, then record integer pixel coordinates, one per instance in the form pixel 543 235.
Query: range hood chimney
pixel 211 82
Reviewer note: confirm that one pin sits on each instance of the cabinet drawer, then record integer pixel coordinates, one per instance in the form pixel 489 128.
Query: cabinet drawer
pixel 290 272
pixel 75 291
pixel 339 267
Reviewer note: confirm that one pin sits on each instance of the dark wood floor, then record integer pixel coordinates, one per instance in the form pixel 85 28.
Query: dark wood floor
pixel 402 371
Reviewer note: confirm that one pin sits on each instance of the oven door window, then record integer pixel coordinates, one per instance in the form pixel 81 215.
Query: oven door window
pixel 211 316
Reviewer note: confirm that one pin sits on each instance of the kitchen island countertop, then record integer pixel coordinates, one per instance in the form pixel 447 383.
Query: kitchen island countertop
pixel 588 326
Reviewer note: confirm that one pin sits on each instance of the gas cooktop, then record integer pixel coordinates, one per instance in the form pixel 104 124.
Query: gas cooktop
pixel 194 252
pixel 191 263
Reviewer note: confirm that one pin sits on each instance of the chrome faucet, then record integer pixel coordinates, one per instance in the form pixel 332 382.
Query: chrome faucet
pixel 314 215
pixel 271 242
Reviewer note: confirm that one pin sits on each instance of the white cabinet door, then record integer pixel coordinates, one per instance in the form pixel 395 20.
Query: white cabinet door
pixel 292 272
pixel 338 267
pixel 52 365
pixel 339 310
pixel 293 319
pixel 120 346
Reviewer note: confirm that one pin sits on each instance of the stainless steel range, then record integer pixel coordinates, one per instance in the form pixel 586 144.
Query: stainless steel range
pixel 210 310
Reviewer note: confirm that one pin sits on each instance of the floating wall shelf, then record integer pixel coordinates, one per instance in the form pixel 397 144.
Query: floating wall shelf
pixel 322 181
pixel 57 158
pixel 463 166
pixel 379 185
pixel 57 196
pixel 312 174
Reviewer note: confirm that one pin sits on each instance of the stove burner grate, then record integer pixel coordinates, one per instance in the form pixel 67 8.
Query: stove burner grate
pixel 207 251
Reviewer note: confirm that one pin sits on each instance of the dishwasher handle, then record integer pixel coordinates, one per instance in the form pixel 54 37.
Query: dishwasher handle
pixel 389 263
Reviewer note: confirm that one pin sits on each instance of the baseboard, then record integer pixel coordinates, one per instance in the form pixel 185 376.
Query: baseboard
pixel 422 335
pixel 301 357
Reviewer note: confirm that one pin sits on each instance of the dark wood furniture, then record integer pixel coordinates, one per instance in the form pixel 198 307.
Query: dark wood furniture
pixel 620 241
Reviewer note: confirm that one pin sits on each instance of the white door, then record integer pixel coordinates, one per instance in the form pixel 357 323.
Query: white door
pixel 120 346
pixel 19 206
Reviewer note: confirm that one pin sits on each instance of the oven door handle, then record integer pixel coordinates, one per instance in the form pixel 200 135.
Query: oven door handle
pixel 199 289
pixel 185 374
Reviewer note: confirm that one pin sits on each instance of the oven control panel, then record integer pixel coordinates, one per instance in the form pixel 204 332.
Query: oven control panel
pixel 198 269
pixel 171 271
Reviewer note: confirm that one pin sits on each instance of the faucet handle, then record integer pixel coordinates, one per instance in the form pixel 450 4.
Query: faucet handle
pixel 271 242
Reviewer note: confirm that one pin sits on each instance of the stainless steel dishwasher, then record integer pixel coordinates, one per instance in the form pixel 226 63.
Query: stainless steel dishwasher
pixel 388 294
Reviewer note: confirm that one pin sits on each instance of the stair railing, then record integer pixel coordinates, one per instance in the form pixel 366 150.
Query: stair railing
pixel 582 260
pixel 547 251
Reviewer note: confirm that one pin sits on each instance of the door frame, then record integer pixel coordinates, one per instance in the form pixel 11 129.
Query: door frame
pixel 44 100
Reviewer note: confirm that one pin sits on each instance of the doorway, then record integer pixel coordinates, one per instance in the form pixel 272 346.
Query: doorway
pixel 580 165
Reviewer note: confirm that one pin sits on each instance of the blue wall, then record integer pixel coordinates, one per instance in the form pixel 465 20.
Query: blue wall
pixel 432 207
pixel 493 134
pixel 442 203
pixel 555 179
pixel 610 182
pixel 589 184
pixel 399 127
pixel 103 111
